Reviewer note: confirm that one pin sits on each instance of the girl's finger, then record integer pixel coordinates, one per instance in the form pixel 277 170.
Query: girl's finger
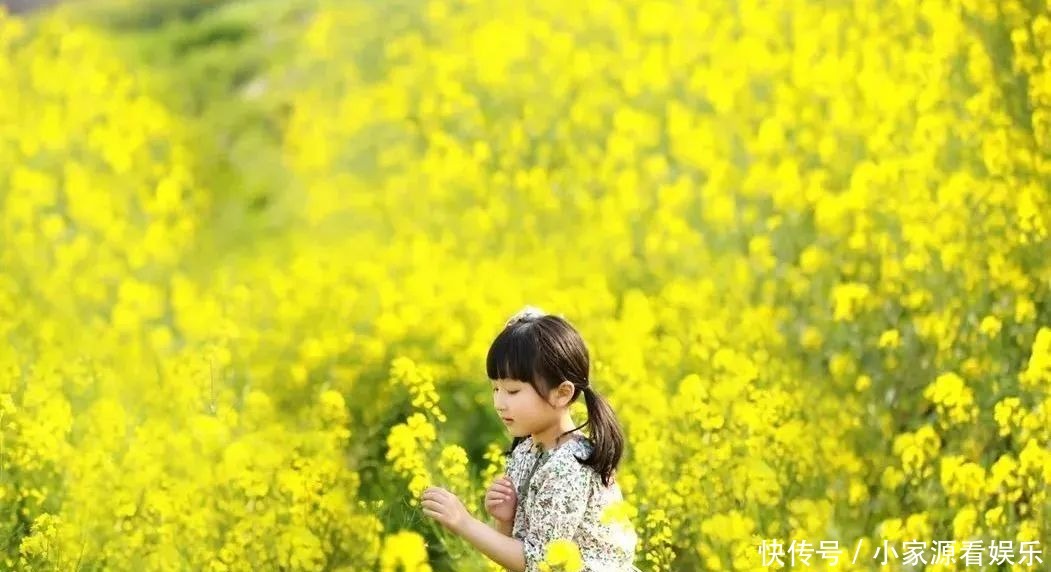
pixel 431 513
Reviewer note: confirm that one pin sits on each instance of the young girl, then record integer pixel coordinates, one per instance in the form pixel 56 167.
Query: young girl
pixel 558 481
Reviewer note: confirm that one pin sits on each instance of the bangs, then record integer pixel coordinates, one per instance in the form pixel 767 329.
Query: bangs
pixel 513 355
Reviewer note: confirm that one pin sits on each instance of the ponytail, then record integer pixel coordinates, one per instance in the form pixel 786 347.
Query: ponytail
pixel 606 436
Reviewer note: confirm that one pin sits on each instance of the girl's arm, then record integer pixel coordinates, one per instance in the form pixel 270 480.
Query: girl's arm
pixel 501 548
pixel 502 527
pixel 446 508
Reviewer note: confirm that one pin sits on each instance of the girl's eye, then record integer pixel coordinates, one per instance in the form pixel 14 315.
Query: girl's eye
pixel 513 392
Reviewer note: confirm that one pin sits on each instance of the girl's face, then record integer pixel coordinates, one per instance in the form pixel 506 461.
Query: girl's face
pixel 521 408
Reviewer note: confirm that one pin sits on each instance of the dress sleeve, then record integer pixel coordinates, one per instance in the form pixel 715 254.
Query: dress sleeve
pixel 557 510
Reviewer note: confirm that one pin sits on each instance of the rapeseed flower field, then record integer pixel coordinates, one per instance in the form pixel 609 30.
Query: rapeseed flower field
pixel 807 243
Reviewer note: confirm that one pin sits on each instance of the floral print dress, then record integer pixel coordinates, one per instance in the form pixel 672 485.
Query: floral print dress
pixel 558 497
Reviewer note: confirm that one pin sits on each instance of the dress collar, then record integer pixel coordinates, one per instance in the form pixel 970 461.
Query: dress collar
pixel 536 449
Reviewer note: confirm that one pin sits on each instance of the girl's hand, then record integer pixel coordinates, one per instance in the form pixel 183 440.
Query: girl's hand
pixel 501 500
pixel 446 508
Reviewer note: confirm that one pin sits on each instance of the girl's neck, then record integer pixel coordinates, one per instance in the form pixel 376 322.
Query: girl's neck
pixel 553 436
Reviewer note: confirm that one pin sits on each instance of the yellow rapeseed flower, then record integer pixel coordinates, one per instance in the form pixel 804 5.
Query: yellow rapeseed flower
pixel 563 555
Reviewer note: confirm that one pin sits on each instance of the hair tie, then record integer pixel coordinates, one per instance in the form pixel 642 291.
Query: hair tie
pixel 526 313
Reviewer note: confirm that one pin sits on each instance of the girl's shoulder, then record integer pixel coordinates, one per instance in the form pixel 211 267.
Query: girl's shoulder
pixel 580 447
pixel 566 460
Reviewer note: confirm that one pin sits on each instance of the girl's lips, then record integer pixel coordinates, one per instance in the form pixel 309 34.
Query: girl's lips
pixel 507 419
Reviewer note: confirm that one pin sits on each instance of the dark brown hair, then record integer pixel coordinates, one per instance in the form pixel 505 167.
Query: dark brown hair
pixel 544 350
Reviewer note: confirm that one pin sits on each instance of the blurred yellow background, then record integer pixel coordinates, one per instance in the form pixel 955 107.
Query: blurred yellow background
pixel 252 255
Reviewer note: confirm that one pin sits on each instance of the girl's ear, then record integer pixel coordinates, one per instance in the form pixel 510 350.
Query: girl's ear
pixel 563 393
